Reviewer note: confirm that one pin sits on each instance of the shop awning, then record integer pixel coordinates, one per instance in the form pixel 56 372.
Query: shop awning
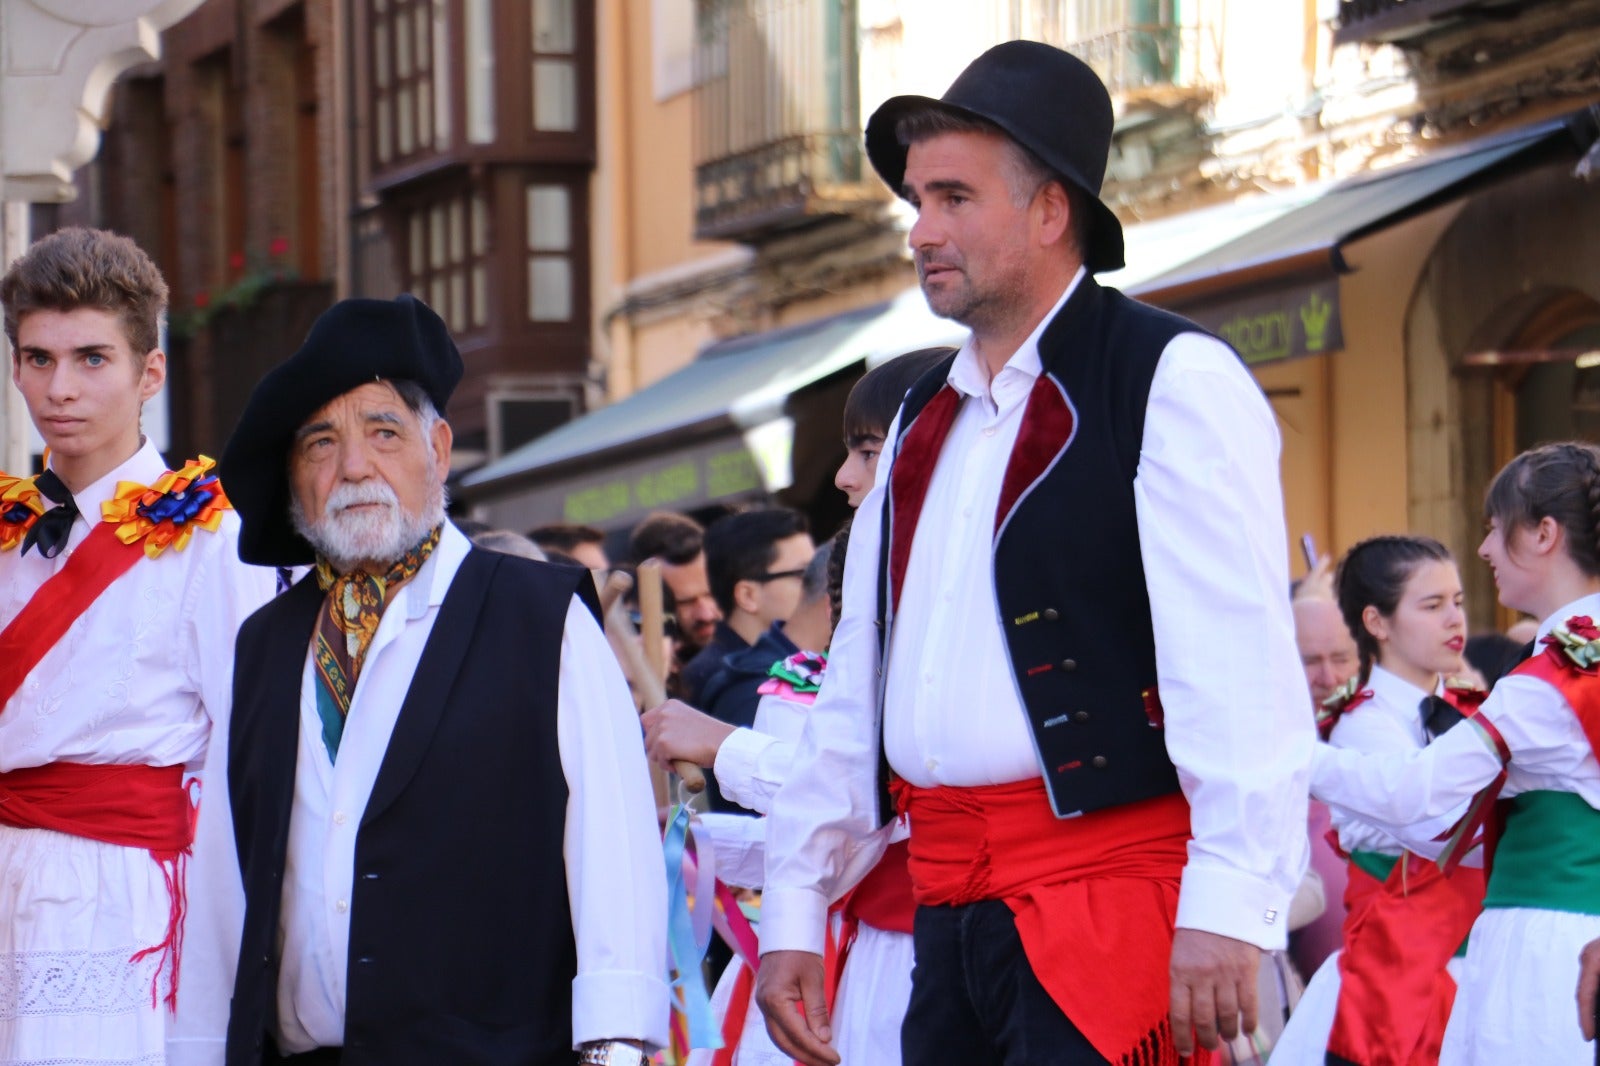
pixel 1270 286
pixel 711 432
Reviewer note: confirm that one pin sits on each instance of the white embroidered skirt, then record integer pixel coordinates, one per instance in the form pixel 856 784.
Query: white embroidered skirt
pixel 73 913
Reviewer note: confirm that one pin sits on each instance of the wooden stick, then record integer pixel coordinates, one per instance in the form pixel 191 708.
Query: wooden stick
pixel 646 682
pixel 652 617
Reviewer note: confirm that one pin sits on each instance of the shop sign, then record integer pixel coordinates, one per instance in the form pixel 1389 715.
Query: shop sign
pixel 681 479
pixel 1283 323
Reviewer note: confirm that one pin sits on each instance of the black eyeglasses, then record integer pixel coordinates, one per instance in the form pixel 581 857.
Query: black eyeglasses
pixel 777 575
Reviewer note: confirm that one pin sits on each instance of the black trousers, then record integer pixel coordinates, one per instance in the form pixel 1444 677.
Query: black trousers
pixel 975 1000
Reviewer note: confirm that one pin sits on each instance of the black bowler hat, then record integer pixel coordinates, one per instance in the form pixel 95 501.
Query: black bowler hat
pixel 1048 101
pixel 350 344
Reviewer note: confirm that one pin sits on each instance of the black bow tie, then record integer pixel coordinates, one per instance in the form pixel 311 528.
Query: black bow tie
pixel 1439 716
pixel 50 530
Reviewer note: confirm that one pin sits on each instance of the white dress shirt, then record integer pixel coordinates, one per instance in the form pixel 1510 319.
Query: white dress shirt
pixel 1391 721
pixel 616 879
pixel 1210 514
pixel 1409 793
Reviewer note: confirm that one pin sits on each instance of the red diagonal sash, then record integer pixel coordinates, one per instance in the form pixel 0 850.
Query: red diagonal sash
pixel 1576 685
pixel 94 565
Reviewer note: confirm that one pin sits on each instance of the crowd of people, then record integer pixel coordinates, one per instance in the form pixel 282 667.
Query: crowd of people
pixel 1018 767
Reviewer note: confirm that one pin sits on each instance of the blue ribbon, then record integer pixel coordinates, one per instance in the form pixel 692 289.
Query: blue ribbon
pixel 182 506
pixel 688 938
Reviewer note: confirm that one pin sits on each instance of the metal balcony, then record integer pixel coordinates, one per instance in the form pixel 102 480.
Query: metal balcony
pixel 777 131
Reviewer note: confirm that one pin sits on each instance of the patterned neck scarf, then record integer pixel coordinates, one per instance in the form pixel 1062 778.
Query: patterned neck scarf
pixel 349 619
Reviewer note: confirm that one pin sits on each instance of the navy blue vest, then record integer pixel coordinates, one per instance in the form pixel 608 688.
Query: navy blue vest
pixel 1067 567
pixel 461 947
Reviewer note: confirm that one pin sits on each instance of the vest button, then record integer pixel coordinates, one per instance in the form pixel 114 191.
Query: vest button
pixel 1050 614
pixel 1098 762
pixel 1069 665
pixel 1080 716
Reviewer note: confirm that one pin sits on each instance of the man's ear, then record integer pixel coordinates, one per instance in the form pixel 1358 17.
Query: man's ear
pixel 1053 209
pixel 154 374
pixel 745 596
pixel 442 439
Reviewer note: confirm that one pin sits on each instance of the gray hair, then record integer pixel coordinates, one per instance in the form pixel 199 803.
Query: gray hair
pixel 814 582
pixel 1025 172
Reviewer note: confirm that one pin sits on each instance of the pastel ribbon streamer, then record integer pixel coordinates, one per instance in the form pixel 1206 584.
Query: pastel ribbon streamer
pixel 734 928
pixel 689 927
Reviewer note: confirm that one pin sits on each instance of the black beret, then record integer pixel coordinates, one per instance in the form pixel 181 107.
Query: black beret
pixel 350 344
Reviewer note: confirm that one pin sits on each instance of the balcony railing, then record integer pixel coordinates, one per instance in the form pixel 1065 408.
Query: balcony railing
pixel 1396 20
pixel 777 117
pixel 1138 47
pixel 1145 60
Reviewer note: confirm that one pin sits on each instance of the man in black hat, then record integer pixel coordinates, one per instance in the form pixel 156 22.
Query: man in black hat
pixel 1076 674
pixel 438 788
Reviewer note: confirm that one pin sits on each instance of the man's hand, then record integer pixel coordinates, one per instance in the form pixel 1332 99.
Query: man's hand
pixel 676 730
pixel 1213 983
pixel 789 991
pixel 1588 983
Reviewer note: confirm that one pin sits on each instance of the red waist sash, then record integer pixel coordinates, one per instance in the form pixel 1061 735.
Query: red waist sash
pixel 1394 992
pixel 1094 897
pixel 883 899
pixel 132 806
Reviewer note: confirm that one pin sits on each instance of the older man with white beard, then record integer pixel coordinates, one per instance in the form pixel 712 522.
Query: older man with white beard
pixel 437 784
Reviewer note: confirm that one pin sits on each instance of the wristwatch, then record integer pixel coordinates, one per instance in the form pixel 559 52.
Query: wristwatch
pixel 611 1053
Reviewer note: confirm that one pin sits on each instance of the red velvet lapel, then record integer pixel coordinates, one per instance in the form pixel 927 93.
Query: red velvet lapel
pixel 1048 423
pixel 909 480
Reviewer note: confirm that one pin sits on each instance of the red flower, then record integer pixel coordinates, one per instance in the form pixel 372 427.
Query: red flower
pixel 202 298
pixel 1583 626
pixel 236 261
pixel 279 247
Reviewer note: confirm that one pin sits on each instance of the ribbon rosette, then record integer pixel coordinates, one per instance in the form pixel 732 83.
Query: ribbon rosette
pixel 21 504
pixel 1579 640
pixel 168 512
pixel 803 670
pixel 1345 697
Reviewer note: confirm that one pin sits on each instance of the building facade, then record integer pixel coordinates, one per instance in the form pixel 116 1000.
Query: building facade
pixel 652 228
pixel 1317 181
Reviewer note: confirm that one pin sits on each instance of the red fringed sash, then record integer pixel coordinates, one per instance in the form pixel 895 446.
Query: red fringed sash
pixel 94 565
pixel 130 806
pixel 1094 897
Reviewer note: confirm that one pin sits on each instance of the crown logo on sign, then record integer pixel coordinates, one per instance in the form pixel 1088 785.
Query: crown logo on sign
pixel 1314 316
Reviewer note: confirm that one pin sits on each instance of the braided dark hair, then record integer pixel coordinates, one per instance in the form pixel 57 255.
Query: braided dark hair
pixel 1374 573
pixel 1559 481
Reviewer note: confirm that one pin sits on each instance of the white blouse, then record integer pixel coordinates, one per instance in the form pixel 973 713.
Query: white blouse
pixel 1390 721
pixel 1409 793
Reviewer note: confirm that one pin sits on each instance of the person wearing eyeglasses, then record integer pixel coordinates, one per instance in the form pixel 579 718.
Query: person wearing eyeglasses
pixel 755 560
